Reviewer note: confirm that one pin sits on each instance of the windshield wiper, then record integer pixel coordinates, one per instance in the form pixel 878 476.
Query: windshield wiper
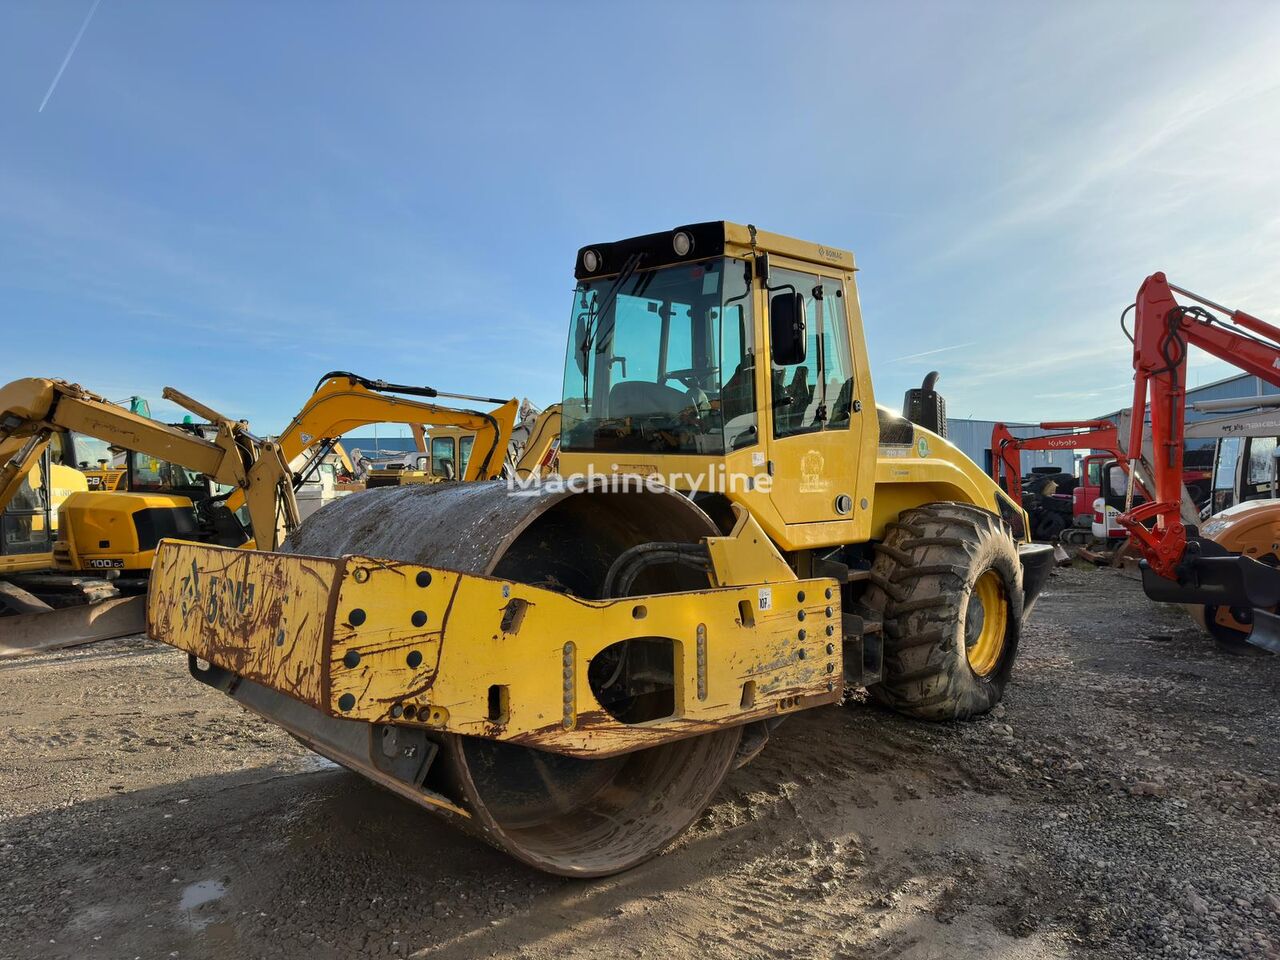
pixel 820 415
pixel 603 303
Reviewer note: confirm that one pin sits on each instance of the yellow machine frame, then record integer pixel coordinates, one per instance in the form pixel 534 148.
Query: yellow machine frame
pixel 469 654
pixel 508 639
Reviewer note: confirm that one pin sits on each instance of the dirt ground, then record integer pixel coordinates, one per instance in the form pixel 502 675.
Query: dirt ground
pixel 1123 804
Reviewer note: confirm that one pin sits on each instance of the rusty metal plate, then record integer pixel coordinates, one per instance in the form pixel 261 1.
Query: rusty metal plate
pixel 262 615
pixel 462 653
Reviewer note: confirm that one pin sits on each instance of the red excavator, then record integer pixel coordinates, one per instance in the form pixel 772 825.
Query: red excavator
pixel 1228 567
pixel 1049 511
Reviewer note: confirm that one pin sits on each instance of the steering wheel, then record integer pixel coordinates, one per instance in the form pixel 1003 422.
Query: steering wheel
pixel 697 376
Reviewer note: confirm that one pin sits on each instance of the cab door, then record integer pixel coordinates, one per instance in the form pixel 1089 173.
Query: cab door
pixel 814 428
pixel 1226 464
pixel 1257 470
pixel 27 525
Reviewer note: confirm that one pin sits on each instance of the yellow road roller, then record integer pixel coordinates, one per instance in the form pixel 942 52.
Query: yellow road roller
pixel 568 666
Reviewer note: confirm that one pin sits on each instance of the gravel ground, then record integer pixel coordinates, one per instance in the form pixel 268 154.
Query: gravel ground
pixel 1122 803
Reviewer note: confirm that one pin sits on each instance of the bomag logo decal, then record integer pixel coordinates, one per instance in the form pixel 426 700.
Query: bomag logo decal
pixel 828 254
pixel 215 598
pixel 811 465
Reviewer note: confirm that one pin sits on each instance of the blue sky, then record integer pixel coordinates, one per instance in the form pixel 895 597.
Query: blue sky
pixel 235 197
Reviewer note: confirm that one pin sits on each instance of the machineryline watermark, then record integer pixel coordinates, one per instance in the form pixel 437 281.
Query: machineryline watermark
pixel 715 479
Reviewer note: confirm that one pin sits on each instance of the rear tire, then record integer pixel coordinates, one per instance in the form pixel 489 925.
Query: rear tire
pixel 1232 639
pixel 948 584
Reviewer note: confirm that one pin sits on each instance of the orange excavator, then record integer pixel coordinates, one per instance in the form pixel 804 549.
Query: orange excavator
pixel 1006 466
pixel 1229 568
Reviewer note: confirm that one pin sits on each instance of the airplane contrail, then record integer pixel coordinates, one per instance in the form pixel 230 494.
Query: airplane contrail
pixel 70 53
pixel 929 353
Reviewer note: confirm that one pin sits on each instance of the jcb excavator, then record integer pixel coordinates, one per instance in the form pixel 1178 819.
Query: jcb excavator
pixel 1230 565
pixel 172 493
pixel 569 669
pixel 342 402
pixel 109 531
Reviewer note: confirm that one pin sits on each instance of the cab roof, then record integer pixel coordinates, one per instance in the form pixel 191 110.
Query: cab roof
pixel 711 239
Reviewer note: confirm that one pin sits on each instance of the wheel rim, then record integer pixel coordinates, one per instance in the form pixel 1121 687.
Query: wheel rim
pixel 985 624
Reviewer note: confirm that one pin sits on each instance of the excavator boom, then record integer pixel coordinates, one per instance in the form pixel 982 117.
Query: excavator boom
pixel 1180 566
pixel 1006 449
pixel 343 402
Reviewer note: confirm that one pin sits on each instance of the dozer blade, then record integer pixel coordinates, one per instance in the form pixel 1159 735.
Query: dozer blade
pixel 72 626
pixel 1229 580
pixel 1266 631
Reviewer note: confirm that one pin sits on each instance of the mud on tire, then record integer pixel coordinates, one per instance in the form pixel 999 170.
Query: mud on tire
pixel 923 585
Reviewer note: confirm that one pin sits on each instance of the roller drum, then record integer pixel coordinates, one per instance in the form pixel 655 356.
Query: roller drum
pixel 561 814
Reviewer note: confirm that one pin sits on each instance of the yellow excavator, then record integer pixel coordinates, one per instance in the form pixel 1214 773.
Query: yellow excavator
pixel 106 539
pixel 111 532
pixel 444 452
pixel 343 401
pixel 569 668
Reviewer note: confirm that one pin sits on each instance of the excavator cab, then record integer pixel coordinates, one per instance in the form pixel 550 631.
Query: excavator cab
pixel 29 523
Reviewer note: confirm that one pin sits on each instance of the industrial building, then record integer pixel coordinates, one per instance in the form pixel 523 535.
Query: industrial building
pixel 974 436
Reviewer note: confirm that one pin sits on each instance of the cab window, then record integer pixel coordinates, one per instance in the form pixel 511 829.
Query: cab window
pixel 1117 481
pixel 151 474
pixel 817 392
pixel 1093 473
pixel 1262 460
pixel 738 362
pixel 1224 471
pixel 464 453
pixel 442 452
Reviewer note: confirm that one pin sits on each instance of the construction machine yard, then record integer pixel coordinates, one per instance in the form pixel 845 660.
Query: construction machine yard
pixel 1123 802
pixel 623 661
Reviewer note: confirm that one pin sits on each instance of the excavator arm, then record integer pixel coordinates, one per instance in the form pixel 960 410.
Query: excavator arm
pixel 32 410
pixel 539 450
pixel 1006 449
pixel 345 401
pixel 1180 566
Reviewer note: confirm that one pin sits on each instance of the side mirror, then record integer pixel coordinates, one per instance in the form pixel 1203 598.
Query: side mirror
pixel 787 328
pixel 579 340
